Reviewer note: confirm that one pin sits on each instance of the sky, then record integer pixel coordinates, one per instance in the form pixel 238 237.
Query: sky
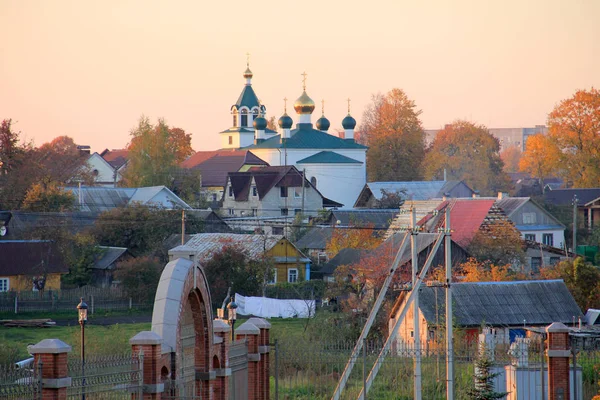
pixel 90 70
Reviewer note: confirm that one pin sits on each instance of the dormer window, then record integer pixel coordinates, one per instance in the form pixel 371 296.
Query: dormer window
pixel 254 191
pixel 230 191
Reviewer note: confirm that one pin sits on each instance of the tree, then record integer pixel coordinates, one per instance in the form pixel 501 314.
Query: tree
pixel 358 237
pixel 390 200
pixel 82 255
pixel 573 127
pixel 581 277
pixel 499 243
pixel 511 156
pixel 60 160
pixel 476 271
pixel 272 123
pixel 484 379
pixel 467 152
pixel 392 130
pixel 541 157
pixel 10 151
pixel 139 277
pixel 47 196
pixel 155 152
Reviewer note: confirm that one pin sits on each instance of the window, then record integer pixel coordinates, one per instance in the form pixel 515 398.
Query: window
pixel 277 230
pixel 283 192
pixel 322 258
pixel 254 211
pixel 254 191
pixel 214 197
pixel 313 181
pixel 530 236
pixel 284 211
pixel 230 189
pixel 297 211
pixel 231 211
pixel 235 119
pixel 297 192
pixel 528 218
pixel 4 285
pixel 244 118
pixel 548 239
pixel 554 260
pixel 292 275
pixel 230 139
pixel 412 333
pixel 536 263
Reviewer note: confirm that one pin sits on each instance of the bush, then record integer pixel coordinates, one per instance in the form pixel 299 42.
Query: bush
pixel 299 290
pixel 139 277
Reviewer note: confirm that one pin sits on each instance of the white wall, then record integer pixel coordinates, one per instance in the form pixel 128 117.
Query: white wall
pixel 559 236
pixel 105 175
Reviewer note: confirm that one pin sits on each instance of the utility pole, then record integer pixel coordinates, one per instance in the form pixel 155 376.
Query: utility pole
pixel 449 332
pixel 575 225
pixel 416 330
pixel 182 227
pixel 303 186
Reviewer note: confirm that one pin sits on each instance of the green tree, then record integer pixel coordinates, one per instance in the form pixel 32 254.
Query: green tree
pixel 47 196
pixel 392 130
pixel 484 379
pixel 82 255
pixel 582 278
pixel 468 152
pixel 499 244
pixel 155 152
pixel 139 277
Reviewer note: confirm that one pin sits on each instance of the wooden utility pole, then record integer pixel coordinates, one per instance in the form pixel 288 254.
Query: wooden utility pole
pixel 575 225
pixel 303 180
pixel 182 227
pixel 416 331
pixel 449 322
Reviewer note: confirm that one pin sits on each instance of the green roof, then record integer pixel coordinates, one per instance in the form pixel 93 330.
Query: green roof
pixel 245 130
pixel 305 137
pixel 247 98
pixel 328 157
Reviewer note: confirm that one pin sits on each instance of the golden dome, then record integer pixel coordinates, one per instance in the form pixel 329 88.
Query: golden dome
pixel 304 104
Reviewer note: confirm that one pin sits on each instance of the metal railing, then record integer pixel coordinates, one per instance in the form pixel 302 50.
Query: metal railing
pixel 21 382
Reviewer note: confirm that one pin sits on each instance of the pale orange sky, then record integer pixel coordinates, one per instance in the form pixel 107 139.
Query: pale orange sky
pixel 89 70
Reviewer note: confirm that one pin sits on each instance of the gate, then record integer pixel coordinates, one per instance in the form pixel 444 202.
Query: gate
pixel 238 362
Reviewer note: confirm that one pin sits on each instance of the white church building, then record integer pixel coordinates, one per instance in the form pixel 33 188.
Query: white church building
pixel 335 166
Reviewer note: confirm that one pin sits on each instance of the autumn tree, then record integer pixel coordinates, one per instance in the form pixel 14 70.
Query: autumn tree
pixel 390 199
pixel 467 152
pixel 392 129
pixel 60 160
pixel 10 151
pixel 500 243
pixel 511 156
pixel 353 237
pixel 573 127
pixel 139 277
pixel 581 277
pixel 47 196
pixel 540 159
pixel 473 270
pixel 154 153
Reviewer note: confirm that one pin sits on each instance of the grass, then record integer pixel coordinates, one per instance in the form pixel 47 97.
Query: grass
pixel 66 315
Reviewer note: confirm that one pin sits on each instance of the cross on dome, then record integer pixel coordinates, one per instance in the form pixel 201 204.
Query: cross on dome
pixel 348 105
pixel 304 74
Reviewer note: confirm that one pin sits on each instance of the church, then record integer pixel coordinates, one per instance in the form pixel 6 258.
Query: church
pixel 336 166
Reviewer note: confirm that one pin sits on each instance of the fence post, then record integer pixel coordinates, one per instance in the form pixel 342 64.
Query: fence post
pixel 147 346
pixel 264 351
pixel 92 309
pixel 558 362
pixel 51 354
pixel 16 304
pixel 251 333
pixel 223 374
pixel 130 303
pixel 276 370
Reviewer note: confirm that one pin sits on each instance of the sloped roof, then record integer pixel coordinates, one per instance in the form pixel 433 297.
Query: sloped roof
pixel 316 237
pixel 511 204
pixel 402 219
pixel 116 157
pixel 415 190
pixel 206 244
pixel 265 179
pixel 108 257
pixel 305 137
pixel 513 303
pixel 30 257
pixel 328 157
pixel 343 257
pixel 423 240
pixel 22 222
pixel 215 165
pixel 100 199
pixel 564 197
pixel 247 98
pixel 379 218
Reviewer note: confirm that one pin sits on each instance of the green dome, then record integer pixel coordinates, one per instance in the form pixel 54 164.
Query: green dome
pixel 323 124
pixel 260 123
pixel 349 122
pixel 285 122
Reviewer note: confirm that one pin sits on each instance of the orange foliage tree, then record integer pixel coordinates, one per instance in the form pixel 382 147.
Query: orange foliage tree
pixel 356 237
pixel 476 271
pixel 511 157
pixel 541 157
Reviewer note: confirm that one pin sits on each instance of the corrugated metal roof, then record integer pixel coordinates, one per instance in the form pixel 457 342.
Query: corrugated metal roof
pixel 328 157
pixel 415 190
pixel 502 303
pixel 109 256
pixel 316 238
pixel 100 199
pixel 206 244
pixel 511 204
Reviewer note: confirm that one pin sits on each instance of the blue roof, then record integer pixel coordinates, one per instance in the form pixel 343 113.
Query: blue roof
pixel 247 98
pixel 328 157
pixel 305 137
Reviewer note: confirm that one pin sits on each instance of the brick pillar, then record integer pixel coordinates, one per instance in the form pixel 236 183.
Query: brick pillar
pixel 222 340
pixel 263 364
pixel 558 362
pixel 52 353
pixel 149 344
pixel 251 333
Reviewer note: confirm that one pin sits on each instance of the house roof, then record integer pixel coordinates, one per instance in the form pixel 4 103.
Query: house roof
pixel 30 257
pixel 343 257
pixel 510 205
pixel 402 219
pixel 328 157
pixel 247 98
pixel 306 137
pixel 116 158
pixel 379 218
pixel 206 244
pixel 108 257
pixel 564 197
pixel 21 222
pixel 215 165
pixel 316 237
pixel 502 303
pixel 415 190
pixel 99 199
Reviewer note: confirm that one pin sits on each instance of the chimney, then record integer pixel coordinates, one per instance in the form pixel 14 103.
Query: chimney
pixel 446 196
pixel 84 149
pixel 475 194
pixel 503 195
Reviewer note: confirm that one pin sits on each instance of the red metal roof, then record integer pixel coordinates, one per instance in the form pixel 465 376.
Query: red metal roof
pixel 466 217
pixel 116 158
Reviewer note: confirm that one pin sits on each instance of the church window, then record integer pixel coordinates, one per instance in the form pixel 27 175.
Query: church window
pixel 313 181
pixel 244 118
pixel 230 139
pixel 235 119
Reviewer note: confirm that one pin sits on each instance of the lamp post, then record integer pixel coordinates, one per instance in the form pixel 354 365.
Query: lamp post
pixel 232 316
pixel 82 310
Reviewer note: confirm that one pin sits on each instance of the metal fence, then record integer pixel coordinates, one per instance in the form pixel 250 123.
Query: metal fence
pixel 21 382
pixel 98 299
pixel 311 370
pixel 106 377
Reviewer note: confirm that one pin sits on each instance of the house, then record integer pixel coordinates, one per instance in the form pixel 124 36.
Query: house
pixel 379 219
pixel 314 243
pixel 271 192
pixel 100 199
pixel 27 265
pixel 402 220
pixel 214 167
pixel 290 264
pixel 525 186
pixel 588 203
pixel 22 224
pixel 107 167
pixel 533 221
pixel 105 265
pixel 508 307
pixel 372 192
